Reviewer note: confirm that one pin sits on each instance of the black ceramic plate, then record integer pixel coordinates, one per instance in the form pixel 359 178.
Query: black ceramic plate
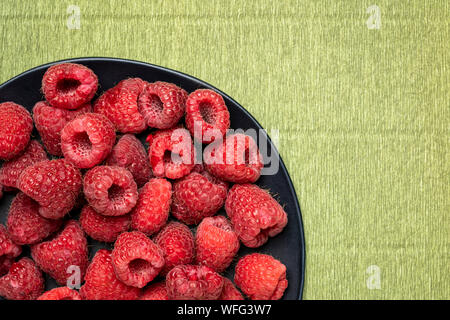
pixel 288 247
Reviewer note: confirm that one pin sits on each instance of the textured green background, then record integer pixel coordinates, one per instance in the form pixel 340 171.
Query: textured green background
pixel 363 114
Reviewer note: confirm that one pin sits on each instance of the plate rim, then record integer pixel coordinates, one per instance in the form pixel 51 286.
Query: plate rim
pixel 206 84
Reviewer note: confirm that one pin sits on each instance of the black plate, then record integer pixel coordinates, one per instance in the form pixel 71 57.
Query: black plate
pixel 288 247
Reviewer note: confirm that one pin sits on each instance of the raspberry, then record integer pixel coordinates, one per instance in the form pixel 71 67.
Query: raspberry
pixel 15 130
pixel 50 121
pixel 197 196
pixel 110 190
pixel 130 153
pixel 103 228
pixel 235 159
pixel 54 184
pixel 216 243
pixel 102 282
pixel 177 243
pixel 66 249
pixel 255 215
pixel 206 109
pixel 5 264
pixel 188 282
pixel 25 224
pixel 8 250
pixel 11 170
pixel 171 153
pixel 155 291
pixel 1 191
pixel 23 282
pixel 61 293
pixel 261 277
pixel 137 260
pixel 162 104
pixel 152 208
pixel 69 85
pixel 120 105
pixel 87 140
pixel 229 291
pixel 199 168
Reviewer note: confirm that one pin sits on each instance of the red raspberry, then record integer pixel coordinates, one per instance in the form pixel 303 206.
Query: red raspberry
pixel 197 196
pixel 216 243
pixel 103 228
pixel 102 282
pixel 87 140
pixel 137 260
pixel 188 282
pixel 15 130
pixel 171 153
pixel 152 208
pixel 130 153
pixel 5 264
pixel 23 282
pixel 110 190
pixel 261 277
pixel 69 85
pixel 11 170
pixel 255 215
pixel 177 243
pixel 235 159
pixel 229 291
pixel 25 224
pixel 54 184
pixel 120 105
pixel 50 121
pixel 155 291
pixel 162 104
pixel 8 250
pixel 207 110
pixel 199 168
pixel 61 293
pixel 67 248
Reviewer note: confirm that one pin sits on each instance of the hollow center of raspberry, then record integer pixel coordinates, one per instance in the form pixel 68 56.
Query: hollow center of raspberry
pixel 138 265
pixel 67 85
pixel 156 103
pixel 207 112
pixel 171 157
pixel 82 144
pixel 115 192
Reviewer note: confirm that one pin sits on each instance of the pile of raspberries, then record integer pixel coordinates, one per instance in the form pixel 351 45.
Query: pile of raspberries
pixel 90 161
